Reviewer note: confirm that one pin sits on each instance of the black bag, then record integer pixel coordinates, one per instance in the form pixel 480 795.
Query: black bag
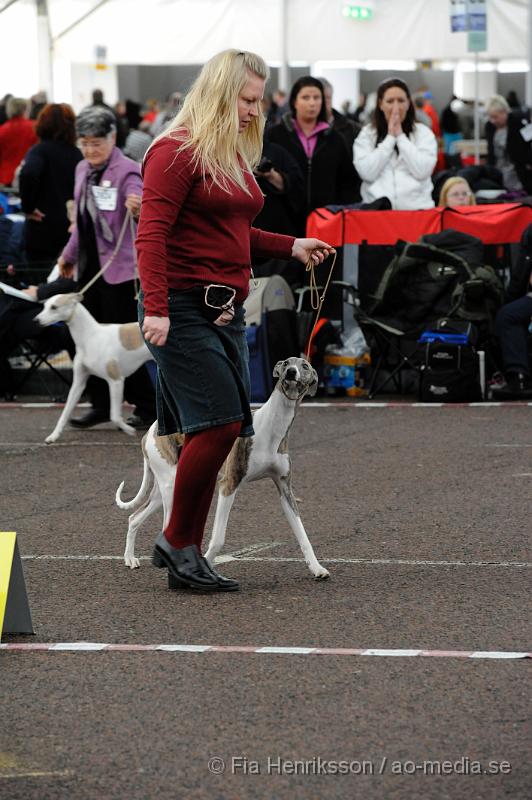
pixel 450 374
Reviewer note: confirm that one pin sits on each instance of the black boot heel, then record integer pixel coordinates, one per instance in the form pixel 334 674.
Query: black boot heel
pixel 174 584
pixel 157 560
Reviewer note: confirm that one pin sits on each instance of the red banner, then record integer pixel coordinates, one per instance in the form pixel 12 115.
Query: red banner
pixel 498 223
pixel 386 227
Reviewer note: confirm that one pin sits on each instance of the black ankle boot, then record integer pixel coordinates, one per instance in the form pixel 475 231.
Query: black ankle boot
pixel 226 584
pixel 185 564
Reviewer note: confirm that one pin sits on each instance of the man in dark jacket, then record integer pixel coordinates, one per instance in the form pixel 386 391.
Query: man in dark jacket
pixel 347 128
pixel 509 144
pixel 281 181
pixel 512 327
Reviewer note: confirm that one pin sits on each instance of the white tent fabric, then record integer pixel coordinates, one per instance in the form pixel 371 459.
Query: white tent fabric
pixel 168 31
pixel 191 31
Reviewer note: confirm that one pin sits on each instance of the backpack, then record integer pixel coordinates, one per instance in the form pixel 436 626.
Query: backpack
pixel 449 368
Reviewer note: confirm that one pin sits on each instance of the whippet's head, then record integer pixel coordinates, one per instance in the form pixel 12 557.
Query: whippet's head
pixel 296 378
pixel 59 308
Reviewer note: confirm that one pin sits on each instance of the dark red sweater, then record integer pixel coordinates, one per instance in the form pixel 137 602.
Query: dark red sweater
pixel 191 232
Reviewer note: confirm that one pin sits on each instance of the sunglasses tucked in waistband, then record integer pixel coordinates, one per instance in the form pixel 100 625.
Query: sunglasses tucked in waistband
pixel 219 296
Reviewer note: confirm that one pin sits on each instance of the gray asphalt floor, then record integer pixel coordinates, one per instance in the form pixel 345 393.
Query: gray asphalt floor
pixel 422 516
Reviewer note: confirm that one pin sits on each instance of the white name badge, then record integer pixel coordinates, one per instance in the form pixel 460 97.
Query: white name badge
pixel 526 132
pixel 105 197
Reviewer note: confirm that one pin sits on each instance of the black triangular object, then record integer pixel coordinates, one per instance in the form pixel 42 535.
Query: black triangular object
pixel 17 618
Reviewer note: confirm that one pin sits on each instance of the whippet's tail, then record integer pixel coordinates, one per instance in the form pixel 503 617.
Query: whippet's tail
pixel 142 493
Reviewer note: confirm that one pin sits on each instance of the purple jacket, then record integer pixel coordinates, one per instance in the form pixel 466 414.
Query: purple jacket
pixel 123 174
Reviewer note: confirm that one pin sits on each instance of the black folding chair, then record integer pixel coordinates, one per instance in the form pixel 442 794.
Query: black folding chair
pixel 396 356
pixel 35 356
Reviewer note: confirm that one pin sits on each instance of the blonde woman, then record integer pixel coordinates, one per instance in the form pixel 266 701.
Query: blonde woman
pixel 195 243
pixel 456 192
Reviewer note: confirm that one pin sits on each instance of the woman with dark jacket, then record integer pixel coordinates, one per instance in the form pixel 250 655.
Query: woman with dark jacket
pixel 47 181
pixel 326 164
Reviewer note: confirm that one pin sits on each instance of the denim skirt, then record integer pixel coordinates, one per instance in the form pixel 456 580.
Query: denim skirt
pixel 202 370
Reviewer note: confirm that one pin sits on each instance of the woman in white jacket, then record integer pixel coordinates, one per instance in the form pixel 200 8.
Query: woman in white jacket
pixel 394 155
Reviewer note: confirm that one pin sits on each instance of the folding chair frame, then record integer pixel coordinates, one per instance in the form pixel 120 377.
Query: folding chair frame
pixel 388 342
pixel 36 358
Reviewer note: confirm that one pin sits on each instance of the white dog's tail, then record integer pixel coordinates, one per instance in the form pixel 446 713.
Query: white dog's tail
pixel 141 494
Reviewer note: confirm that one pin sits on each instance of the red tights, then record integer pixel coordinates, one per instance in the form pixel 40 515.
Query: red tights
pixel 200 460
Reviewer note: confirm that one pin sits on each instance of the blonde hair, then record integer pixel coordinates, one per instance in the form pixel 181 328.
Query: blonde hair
pixel 207 124
pixel 497 103
pixel 448 185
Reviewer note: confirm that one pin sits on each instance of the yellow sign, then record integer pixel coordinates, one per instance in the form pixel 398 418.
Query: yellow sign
pixel 7 550
pixel 15 616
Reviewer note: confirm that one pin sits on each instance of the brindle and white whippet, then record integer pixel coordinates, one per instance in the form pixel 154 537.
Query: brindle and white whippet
pixel 264 455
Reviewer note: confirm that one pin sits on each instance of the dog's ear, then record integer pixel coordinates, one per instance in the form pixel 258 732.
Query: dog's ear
pixel 313 385
pixel 277 369
pixel 77 297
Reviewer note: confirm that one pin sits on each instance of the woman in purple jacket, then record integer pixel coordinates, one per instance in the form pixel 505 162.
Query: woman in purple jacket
pixel 107 186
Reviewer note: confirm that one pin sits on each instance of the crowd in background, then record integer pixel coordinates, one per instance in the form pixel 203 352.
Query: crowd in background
pixel 392 149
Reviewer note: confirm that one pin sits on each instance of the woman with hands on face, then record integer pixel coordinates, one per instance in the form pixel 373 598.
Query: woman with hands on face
pixel 395 156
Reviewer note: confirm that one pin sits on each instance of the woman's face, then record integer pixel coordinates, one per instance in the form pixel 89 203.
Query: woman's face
pixel 308 104
pixel 97 149
pixel 249 101
pixel 458 195
pixel 394 99
pixel 498 118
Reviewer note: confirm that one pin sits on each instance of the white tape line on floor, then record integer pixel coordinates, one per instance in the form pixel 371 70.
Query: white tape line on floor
pixel 327 404
pixel 241 555
pixel 91 647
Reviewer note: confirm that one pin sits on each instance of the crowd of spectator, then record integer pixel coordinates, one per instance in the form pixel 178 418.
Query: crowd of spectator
pixel 393 150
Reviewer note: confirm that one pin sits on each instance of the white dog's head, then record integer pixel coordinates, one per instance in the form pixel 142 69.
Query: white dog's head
pixel 296 378
pixel 59 308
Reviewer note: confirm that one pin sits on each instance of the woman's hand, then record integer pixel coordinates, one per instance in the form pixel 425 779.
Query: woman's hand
pixel 318 251
pixel 133 204
pixel 394 123
pixel 36 215
pixel 272 176
pixel 66 269
pixel 31 291
pixel 155 330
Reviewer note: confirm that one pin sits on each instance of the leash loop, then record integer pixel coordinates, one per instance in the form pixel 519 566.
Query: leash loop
pixel 316 300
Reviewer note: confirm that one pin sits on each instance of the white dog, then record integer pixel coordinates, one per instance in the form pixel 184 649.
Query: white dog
pixel 264 455
pixel 111 352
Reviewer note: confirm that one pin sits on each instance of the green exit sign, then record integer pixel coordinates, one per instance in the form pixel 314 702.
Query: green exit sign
pixel 358 10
